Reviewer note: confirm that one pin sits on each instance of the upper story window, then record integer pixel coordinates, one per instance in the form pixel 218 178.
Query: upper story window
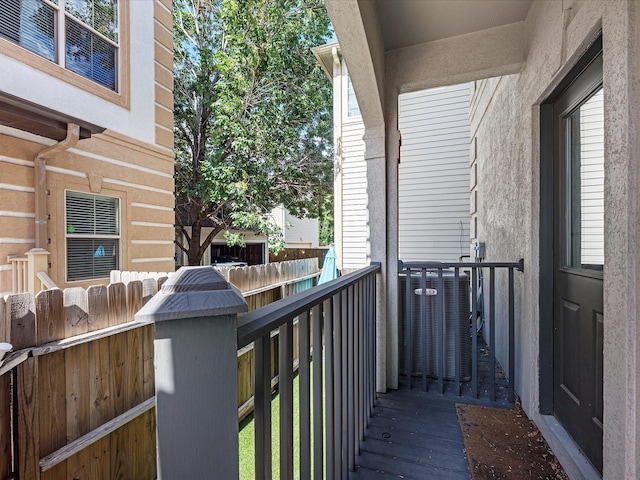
pixel 79 35
pixel 353 110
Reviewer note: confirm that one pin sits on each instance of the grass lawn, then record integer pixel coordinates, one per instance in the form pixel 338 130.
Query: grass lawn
pixel 247 439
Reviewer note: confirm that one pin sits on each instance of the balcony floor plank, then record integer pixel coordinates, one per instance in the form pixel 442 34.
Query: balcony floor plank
pixel 415 434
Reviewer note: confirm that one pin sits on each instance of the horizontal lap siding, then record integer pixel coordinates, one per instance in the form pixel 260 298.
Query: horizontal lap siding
pixel 354 197
pixel 592 180
pixel 139 174
pixel 163 75
pixel 17 233
pixel 433 199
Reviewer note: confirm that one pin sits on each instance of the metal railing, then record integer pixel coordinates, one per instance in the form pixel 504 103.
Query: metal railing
pixel 336 378
pixel 443 310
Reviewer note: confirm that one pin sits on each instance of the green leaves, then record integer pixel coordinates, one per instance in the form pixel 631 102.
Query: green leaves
pixel 252 112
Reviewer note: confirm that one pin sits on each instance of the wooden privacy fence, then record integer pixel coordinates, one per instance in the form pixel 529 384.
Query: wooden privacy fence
pixel 77 393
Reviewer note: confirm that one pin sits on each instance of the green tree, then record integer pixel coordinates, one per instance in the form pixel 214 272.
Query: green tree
pixel 252 116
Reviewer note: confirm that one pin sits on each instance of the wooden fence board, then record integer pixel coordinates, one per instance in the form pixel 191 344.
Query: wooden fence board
pixel 98 302
pixel 77 391
pixel 5 322
pixel 58 472
pixel 117 293
pixel 133 374
pixel 100 460
pixel 149 289
pixel 21 310
pixel 148 372
pixel 52 402
pixel 76 311
pixel 150 448
pixel 134 298
pixel 79 465
pixel 100 405
pixel 6 454
pixel 121 453
pixel 118 349
pixel 245 377
pixel 28 420
pixel 49 312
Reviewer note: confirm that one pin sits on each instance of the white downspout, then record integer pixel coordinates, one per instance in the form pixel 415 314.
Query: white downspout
pixel 40 181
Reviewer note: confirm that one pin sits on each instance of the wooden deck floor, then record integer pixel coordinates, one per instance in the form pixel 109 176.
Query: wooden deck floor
pixel 415 434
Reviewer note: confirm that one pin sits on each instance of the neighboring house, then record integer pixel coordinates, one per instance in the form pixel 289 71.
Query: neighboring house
pixel 433 200
pixel 297 232
pixel 554 172
pixel 254 252
pixel 100 83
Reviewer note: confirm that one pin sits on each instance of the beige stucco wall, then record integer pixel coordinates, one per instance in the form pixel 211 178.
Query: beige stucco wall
pixel 506 122
pixel 535 55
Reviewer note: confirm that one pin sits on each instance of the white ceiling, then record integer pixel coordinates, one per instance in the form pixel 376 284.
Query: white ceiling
pixel 411 22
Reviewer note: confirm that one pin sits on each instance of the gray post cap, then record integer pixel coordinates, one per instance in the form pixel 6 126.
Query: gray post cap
pixel 193 292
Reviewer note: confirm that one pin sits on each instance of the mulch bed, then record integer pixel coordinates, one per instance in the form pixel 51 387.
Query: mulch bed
pixel 503 443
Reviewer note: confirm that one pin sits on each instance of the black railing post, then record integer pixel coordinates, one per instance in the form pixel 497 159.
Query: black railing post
pixel 511 395
pixel 285 385
pixel 329 349
pixel 439 336
pixel 344 310
pixel 492 334
pixel 441 327
pixel 423 327
pixel 456 322
pixel 474 331
pixel 304 381
pixel 262 406
pixel 317 315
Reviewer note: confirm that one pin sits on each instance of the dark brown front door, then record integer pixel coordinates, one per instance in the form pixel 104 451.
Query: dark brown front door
pixel 579 260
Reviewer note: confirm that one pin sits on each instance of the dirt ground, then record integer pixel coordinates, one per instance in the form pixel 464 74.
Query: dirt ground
pixel 503 443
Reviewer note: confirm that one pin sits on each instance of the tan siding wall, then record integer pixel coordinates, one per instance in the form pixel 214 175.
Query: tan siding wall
pixel 163 74
pixel 108 164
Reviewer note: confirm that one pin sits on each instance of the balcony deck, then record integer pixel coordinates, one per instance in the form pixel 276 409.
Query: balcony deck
pixel 415 434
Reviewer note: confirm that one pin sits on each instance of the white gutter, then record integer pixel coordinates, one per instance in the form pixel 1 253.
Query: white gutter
pixel 40 181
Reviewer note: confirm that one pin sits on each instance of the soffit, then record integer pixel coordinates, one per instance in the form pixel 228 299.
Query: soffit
pixel 30 117
pixel 413 22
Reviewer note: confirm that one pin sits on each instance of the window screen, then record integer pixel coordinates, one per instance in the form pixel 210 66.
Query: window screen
pixel 89 29
pixel 92 235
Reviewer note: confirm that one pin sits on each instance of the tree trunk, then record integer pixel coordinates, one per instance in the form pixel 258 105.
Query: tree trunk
pixel 194 256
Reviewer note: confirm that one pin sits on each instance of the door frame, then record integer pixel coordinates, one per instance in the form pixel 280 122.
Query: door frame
pixel 546 243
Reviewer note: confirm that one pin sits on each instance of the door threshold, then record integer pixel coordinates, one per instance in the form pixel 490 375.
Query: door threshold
pixel 565 449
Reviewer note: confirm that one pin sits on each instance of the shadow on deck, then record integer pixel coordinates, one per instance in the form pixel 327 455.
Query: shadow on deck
pixel 414 434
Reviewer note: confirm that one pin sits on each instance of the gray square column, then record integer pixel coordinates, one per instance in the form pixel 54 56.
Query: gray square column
pixel 196 372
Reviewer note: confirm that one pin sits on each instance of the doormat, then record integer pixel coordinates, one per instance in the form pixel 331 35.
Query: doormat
pixel 504 443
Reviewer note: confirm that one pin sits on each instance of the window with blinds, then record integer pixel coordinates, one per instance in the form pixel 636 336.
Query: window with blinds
pixel 79 35
pixel 92 235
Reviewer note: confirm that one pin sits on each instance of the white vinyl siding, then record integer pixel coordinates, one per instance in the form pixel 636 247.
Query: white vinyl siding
pixel 592 180
pixel 354 196
pixel 433 176
pixel 301 230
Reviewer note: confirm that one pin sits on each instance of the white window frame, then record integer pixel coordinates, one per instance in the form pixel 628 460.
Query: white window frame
pixel 90 236
pixel 345 97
